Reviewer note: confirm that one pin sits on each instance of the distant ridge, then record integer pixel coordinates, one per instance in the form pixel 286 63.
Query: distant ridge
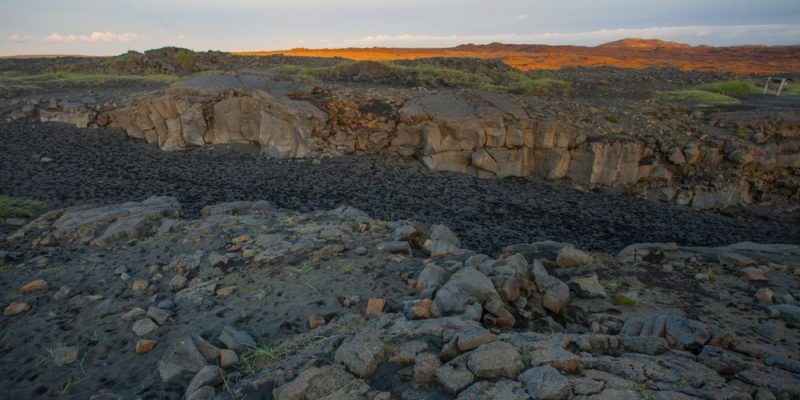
pixel 635 43
pixel 625 53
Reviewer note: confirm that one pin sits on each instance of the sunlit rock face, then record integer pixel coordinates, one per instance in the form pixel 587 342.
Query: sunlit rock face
pixel 486 135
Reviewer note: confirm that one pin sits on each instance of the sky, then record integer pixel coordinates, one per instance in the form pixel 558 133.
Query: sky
pixel 108 27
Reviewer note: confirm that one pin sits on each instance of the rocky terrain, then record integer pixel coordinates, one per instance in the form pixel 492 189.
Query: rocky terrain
pixel 249 300
pixel 181 225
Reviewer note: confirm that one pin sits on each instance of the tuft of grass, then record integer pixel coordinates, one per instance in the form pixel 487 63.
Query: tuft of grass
pixel 307 74
pixel 621 299
pixel 18 206
pixel 736 88
pixel 701 97
pixel 257 358
pixel 612 119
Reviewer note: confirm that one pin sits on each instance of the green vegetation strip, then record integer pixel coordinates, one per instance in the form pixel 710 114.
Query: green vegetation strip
pixel 12 80
pixel 733 88
pixel 699 97
pixel 18 207
pixel 428 75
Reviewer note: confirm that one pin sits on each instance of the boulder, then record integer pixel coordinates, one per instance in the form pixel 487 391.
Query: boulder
pixel 587 286
pixel 361 354
pixel 465 287
pixel 236 340
pixel 495 360
pixel 182 356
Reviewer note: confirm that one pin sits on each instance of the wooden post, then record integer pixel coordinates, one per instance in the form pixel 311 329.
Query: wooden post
pixel 780 88
pixel 766 85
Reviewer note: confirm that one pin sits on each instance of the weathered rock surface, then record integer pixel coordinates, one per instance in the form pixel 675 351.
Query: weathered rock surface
pixel 507 327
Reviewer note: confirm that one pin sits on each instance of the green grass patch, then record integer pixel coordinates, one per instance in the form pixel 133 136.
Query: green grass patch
pixel 11 81
pixel 701 97
pixel 736 88
pixel 535 86
pixel 187 59
pixel 18 207
pixel 308 74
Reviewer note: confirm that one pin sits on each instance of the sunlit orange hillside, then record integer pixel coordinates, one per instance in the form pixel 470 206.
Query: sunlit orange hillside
pixel 628 53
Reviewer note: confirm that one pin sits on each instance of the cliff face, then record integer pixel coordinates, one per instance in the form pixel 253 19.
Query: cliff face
pixel 487 135
pixel 482 134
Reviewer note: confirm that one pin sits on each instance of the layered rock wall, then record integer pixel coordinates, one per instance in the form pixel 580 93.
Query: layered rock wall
pixel 486 135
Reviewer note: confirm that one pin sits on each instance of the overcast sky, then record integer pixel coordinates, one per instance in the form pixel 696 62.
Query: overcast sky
pixel 106 27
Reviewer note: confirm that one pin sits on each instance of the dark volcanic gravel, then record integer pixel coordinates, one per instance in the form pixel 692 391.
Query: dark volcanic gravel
pixel 103 166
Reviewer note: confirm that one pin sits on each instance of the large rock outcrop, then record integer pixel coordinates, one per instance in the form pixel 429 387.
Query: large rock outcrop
pixel 487 135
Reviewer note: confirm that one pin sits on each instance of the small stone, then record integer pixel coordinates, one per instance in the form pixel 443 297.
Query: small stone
pixel 425 367
pixel 65 355
pixel 160 316
pixel 144 326
pixel 181 356
pixel 16 308
pixel 226 291
pixel 63 293
pixel 217 260
pixel 315 321
pixel 133 314
pixel 588 287
pixel 208 350
pixel 166 304
pixel 772 330
pixel 210 375
pixel 139 285
pixel 235 339
pixel 472 338
pixel 495 360
pixel 145 346
pixel 228 358
pixel 177 283
pixel 361 354
pixel 34 286
pixel 587 386
pixel 407 352
pixel 375 307
pixel 545 383
pixel 454 376
pixel 203 393
pixel 754 274
pixel 569 257
pixel 394 247
pixel 558 358
pixel 765 295
pixel 417 309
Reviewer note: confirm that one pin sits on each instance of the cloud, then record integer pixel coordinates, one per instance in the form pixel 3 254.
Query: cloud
pixel 181 37
pixel 521 16
pixel 772 33
pixel 18 39
pixel 94 37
